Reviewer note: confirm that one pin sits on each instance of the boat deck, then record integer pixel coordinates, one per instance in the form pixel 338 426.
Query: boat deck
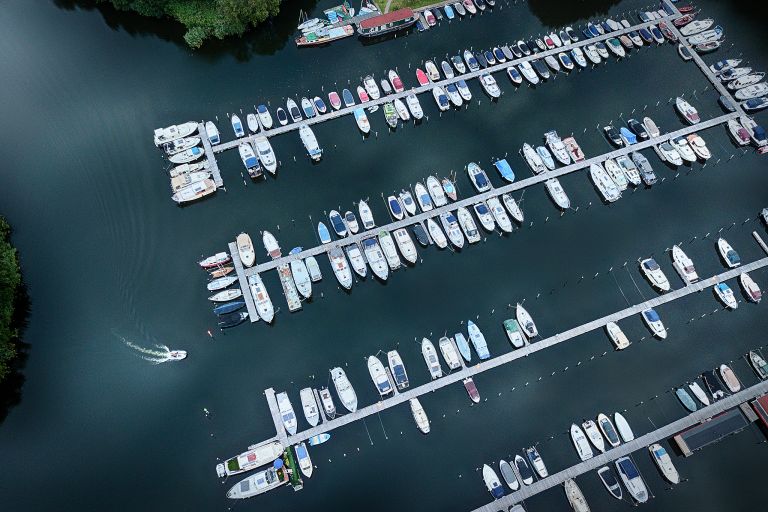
pixel 250 305
pixel 471 371
pixel 213 166
pixel 224 146
pixel 625 449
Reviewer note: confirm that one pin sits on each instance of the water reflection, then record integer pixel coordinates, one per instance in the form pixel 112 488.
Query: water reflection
pixel 10 388
pixel 566 13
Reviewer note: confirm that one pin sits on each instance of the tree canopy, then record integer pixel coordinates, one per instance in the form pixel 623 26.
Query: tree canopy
pixel 10 280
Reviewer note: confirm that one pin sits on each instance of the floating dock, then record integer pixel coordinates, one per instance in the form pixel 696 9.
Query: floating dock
pixel 213 166
pixel 250 306
pixel 625 449
pixel 458 376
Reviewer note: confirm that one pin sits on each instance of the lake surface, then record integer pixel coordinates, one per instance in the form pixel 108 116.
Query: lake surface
pixel 108 257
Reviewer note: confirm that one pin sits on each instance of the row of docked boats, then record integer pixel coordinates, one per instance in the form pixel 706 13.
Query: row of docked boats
pixel 555 151
pixel 190 177
pixel 520 471
pixel 430 17
pixel 744 130
pixel 227 298
pixel 717 383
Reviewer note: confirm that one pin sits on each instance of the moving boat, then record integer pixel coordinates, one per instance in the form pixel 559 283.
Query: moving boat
pixel 729 378
pixel 687 111
pixel 653 321
pixel 730 257
pixel 379 376
pixel 463 346
pixel 260 296
pixel 604 184
pixel 611 483
pixel 623 427
pixel 684 265
pixel 758 364
pixel 508 474
pixel 536 461
pixel 686 399
pixel 397 369
pixel 286 412
pixel 654 274
pixel 726 296
pixel 450 354
pixel 751 289
pixel 617 336
pixel 255 457
pixel 664 463
pixel 632 480
pixel 340 267
pixel 327 400
pixel 478 177
pixel 524 470
pixel 478 340
pixel 309 406
pixel 258 483
pixel 492 482
pixel 608 430
pixel 580 443
pixel 469 385
pixel 419 416
pixel 593 433
pixel 557 193
pixel 226 295
pixel 303 459
pixel 430 357
pixel 344 389
pixel 376 259
pixel 575 496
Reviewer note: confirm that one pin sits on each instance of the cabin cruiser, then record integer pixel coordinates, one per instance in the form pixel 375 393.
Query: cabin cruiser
pixel 512 207
pixel 557 147
pixel 632 479
pixel 751 289
pixel 616 174
pixel 654 274
pixel 259 483
pixel 478 177
pixel 684 150
pixel 451 226
pixel 492 482
pixel 611 483
pixel 419 416
pixel 255 457
pixel 557 193
pixel 533 159
pixel 173 132
pixel 514 333
pixel 729 256
pixel 397 369
pixel 286 412
pixel 580 443
pixel 341 267
pixel 604 183
pixel 265 153
pixel 687 111
pixel 619 339
pixel 684 265
pixel 644 167
pixel 344 389
pixel 376 258
pixel 726 296
pixel 654 323
pixel 309 406
pixel 379 376
pixel 669 154
pixel 450 354
pixel 664 463
pixel 699 147
pixel 430 357
pixel 575 497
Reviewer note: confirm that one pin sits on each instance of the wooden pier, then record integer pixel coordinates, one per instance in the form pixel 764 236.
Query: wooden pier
pixel 245 287
pixel 428 88
pixel 213 166
pixel 625 449
pixel 508 357
pixel 468 202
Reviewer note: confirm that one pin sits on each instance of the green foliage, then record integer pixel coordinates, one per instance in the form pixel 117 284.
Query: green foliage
pixel 10 279
pixel 206 18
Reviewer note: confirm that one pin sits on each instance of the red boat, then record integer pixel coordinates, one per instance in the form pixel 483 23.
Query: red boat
pixel 683 20
pixel 685 9
pixel 421 76
pixel 333 97
pixel 431 20
pixel 362 94
pixel 394 79
pixel 469 385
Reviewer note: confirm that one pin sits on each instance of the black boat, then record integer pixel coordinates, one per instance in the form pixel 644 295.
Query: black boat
pixel 523 48
pixel 713 385
pixel 421 234
pixel 492 3
pixel 726 103
pixel 540 68
pixel 526 473
pixel 232 319
pixel 637 127
pixel 572 35
pixel 438 13
pixel 481 59
pixel 480 4
pixel 613 136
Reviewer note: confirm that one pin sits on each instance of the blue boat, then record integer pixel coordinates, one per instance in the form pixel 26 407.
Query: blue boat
pixel 461 343
pixel 505 170
pixel 323 233
pixel 319 439
pixel 686 399
pixel 500 57
pixel 232 319
pixel 606 27
pixel 349 100
pixel 593 31
pixel 229 307
pixel 296 250
pixel 395 208
pixel 420 26
pixel 646 35
pixel 628 136
pixel 587 33
pixel 337 223
pixel 320 105
pixel 449 12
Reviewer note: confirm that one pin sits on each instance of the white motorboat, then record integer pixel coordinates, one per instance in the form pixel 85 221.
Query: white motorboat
pixel 752 91
pixel 303 459
pixel 258 483
pixel 751 289
pixel 525 471
pixel 371 87
pixel 366 215
pixel 265 153
pixel 379 376
pixel 630 169
pixel 301 278
pixel 668 153
pixel 402 110
pixel 253 122
pixel 580 443
pixel 260 296
pixel 189 168
pixel 514 333
pixel 186 156
pixel 699 146
pixel 468 225
pixel 406 200
pixel 616 174
pixel 309 140
pixel 723 66
pixel 248 157
pixel 608 430
pixel 327 400
pixel 651 128
pixel 499 214
pixel 684 265
pixel 451 226
pixel 632 480
pixel 340 267
pixel 436 191
pixel 708 36
pixel 395 208
pixel 739 134
pixel 730 257
pixel 419 416
pixel 173 132
pixel 356 259
pixel 610 482
pixel 525 321
pixel 309 406
pixel 214 137
pixel 453 94
pixel 683 148
pixel 414 106
pixel 512 207
pixel 756 132
pixel 441 99
pixel 593 433
pixel 245 249
pixel 376 259
pixel 389 249
pixel 478 340
pixel 478 177
pixel 696 26
pixel 557 193
pixel 729 378
pixel 254 457
pixel 699 393
pixel 430 357
pixel 350 220
pixel 604 184
pixel 489 85
pixel 546 157
pixel 528 72
pixel 450 355
pixel 622 425
pixel 557 147
pixel 492 481
pixel 286 412
pixel 619 339
pixel 226 295
pixel 397 369
pixel 406 245
pixel 745 81
pixel 422 197
pixel 237 125
pixel 533 159
pixel 536 461
pixel 464 91
pixel 664 463
pixel 265 118
pixel 726 296
pixel 436 234
pixel 271 245
pixel 362 121
pixel 344 389
pixel 687 111
pixel 654 274
pixel 654 323
pixel 575 497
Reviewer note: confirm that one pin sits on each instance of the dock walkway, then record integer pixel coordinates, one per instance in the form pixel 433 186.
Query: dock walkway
pixel 245 287
pixel 428 88
pixel 508 357
pixel 468 202
pixel 213 166
pixel 626 449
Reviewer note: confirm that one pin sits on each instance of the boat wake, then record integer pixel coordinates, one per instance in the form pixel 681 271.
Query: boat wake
pixel 159 354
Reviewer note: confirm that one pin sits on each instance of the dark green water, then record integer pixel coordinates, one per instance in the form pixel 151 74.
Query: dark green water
pixel 107 255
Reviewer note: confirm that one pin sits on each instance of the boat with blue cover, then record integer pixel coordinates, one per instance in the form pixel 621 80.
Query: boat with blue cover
pixel 505 169
pixel 323 233
pixel 463 346
pixel 449 12
pixel 319 439
pixel 686 399
pixel 229 307
pixel 337 223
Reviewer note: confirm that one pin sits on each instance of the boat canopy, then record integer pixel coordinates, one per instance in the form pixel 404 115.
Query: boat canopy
pixel 505 169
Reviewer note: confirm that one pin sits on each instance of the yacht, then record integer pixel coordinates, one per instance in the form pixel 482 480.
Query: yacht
pixel 512 207
pixel 258 483
pixel 430 357
pixel 286 412
pixel 379 376
pixel 623 427
pixel 419 416
pixel 260 296
pixel 271 245
pixel 478 177
pixel 245 249
pixel 557 193
pixel 177 131
pixel 499 214
pixel 684 265
pixel 730 257
pixel 525 471
pixel 536 461
pixel 344 389
pixel 556 145
pixel 255 457
pixel 632 480
pixel 492 482
pixel 575 496
pixel 687 111
pixel 376 258
pixel 265 153
pixel 608 430
pixel 653 321
pixel 668 153
pixel 617 336
pixel 604 183
pixel 629 169
pixel 340 267
pixel 356 260
pixel 449 352
pixel 300 275
pixel 664 462
pixel 654 274
pixel 508 474
pixel 528 72
pixel 371 87
pixel 436 234
pixel 366 215
pixel 303 459
pixel 389 249
pixel 468 225
pixel 226 295
pixel 580 443
pixel 327 401
pixel 414 106
pixel 683 148
pixel 309 140
pixel 593 433
pixel 525 321
pixel 422 197
pixel 478 340
pixel 406 245
pixel 546 157
pixel 490 86
pixel 726 296
pixel 452 229
pixel 309 406
pixel 406 200
pixel 611 483
pixel 751 289
pixel 397 369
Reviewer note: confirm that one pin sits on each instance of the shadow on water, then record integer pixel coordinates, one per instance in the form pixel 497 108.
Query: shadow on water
pixel 10 388
pixel 266 39
pixel 569 12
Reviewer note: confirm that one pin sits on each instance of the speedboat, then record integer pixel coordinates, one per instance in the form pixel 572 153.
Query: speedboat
pixel 687 111
pixel 376 258
pixel 389 249
pixel 734 73
pixel 265 153
pixel 580 443
pixel 722 66
pixel 699 146
pixel 190 190
pixel 632 480
pixel 536 461
pixel 419 416
pixel 379 376
pixel 421 77
pixel 436 234
pixel 514 333
pixel 558 148
pixel 557 193
pixel 508 474
pixel 565 60
pixel 293 110
pixel 751 289
pixel 309 406
pixel 490 86
pixel 592 54
pixel 578 57
pixel 212 133
pixel 654 274
pixel 492 482
pixel 271 245
pixel 371 87
pixel 229 307
pixel 432 73
pixel 340 267
pixel 362 120
pixel 450 354
pixel 310 143
pixel 608 430
pixel 525 321
pixel 186 156
pixel 414 106
pixel 346 95
pixel 593 433
pixel 303 459
pixel 264 306
pixel 255 457
pixel 525 471
pixel 420 232
pixel 664 463
pixel 449 189
pixel 613 135
pixel 258 483
pixel 447 69
pixel 668 153
pixel 729 378
pixel 395 207
pixel 286 412
pixel 758 364
pixel 528 72
pixel 604 183
pixel 226 295
pixel 643 166
pixel 730 257
pixel 253 122
pixel 453 94
pixel 397 369
pixel 335 100
pixel 323 233
pixel 237 126
pixel 173 132
pixel 478 177
pixel 684 150
pixel 484 215
pixel 639 128
pixel 344 389
pixel 512 207
pixel 430 357
pixel 402 110
pixel 357 260
pixel 611 483
pixel 708 36
pixel 249 159
pixel 726 296
pixel 478 340
pixel 654 323
pixel 282 117
pixel 575 497
pixel 617 336
pixel 684 265
pixel 406 200
pixel 362 94
pixel 755 104
pixel 390 114
pixel 328 405
pixel 245 249
pixel 365 215
pixel 436 191
pixel 422 197
pixel 440 98
pixel 394 79
pixel 300 274
pixel 463 346
pixel 265 118
pixel 351 221
pixel 514 75
pixel 756 132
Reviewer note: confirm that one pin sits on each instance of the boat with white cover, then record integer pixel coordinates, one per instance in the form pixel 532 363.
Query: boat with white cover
pixel 260 296
pixel 664 463
pixel 430 357
pixel 580 443
pixel 419 416
pixel 389 249
pixel 499 214
pixel 309 406
pixel 379 376
pixel 344 389
pixel 622 425
pixel 365 215
pixel 258 483
pixel 619 339
pixel 450 355
pixel 684 265
pixel 173 132
pixel 593 434
pixel 406 245
pixel 478 340
pixel 436 191
pixel 616 174
pixel 340 267
pixel 557 193
pixel 376 259
pixel 286 412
